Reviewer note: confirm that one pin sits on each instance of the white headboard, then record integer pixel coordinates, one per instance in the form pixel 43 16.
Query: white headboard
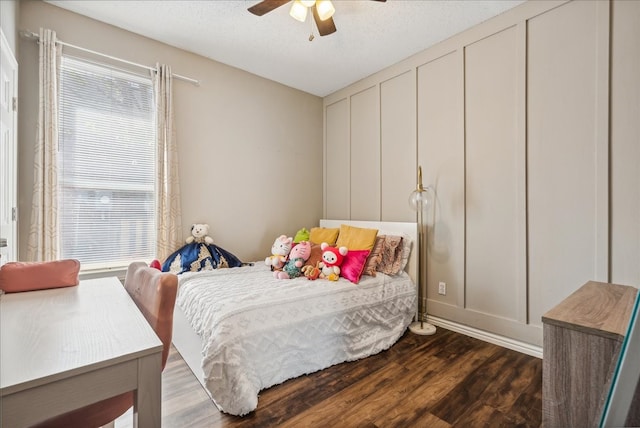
pixel 388 228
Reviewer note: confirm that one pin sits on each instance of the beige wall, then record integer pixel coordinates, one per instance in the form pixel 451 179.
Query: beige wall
pixel 250 149
pixel 527 127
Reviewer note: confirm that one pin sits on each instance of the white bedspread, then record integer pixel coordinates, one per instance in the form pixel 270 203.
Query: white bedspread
pixel 258 331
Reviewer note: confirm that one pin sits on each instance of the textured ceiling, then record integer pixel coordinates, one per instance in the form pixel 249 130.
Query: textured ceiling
pixel 371 35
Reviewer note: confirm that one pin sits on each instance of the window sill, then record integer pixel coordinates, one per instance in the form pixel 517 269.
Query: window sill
pixel 119 272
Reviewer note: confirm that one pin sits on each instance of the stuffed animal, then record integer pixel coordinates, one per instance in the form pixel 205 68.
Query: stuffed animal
pixel 311 272
pixel 200 234
pixel 279 252
pixel 332 258
pixel 301 235
pixel 293 267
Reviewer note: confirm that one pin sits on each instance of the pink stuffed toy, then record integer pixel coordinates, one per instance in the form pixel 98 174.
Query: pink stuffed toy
pixel 332 258
pixel 297 257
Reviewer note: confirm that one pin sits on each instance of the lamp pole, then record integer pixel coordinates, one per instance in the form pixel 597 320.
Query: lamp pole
pixel 419 200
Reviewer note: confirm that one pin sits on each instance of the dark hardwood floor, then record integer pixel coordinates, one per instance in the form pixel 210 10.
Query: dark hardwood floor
pixel 444 380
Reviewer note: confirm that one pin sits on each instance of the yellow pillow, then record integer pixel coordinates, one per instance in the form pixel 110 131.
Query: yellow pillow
pixel 356 238
pixel 318 235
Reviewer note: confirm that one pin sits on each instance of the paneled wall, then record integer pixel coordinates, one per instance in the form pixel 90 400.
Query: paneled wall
pixel 565 171
pixel 441 155
pixel 365 151
pixel 494 218
pixel 397 145
pixel 336 156
pixel 527 128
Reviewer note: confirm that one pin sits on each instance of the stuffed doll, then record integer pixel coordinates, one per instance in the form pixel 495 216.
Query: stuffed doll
pixel 297 257
pixel 279 252
pixel 332 258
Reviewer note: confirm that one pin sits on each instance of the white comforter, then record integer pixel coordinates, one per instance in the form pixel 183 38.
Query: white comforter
pixel 258 331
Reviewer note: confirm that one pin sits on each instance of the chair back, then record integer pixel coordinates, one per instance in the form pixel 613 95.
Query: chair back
pixel 154 292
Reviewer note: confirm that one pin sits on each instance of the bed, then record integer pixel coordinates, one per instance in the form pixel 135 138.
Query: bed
pixel 241 331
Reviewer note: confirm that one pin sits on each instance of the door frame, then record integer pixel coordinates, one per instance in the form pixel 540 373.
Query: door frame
pixel 9 67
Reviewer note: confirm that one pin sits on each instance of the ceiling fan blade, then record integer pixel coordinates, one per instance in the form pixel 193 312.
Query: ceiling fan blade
pixel 324 27
pixel 266 6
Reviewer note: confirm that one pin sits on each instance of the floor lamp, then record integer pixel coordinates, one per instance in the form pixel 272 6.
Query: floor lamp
pixel 421 200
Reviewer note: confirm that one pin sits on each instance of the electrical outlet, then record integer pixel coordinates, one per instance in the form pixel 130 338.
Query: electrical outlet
pixel 442 288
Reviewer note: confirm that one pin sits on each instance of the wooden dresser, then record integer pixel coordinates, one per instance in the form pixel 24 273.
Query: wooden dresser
pixel 581 343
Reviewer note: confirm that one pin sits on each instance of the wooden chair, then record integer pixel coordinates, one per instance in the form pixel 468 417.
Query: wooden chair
pixel 154 293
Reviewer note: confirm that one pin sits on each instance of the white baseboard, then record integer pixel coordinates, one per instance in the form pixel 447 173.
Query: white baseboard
pixel 505 342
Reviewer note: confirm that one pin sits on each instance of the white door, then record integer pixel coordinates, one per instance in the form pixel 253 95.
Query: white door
pixel 8 152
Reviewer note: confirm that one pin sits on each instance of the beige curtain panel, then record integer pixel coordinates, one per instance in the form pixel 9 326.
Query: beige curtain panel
pixel 169 220
pixel 43 243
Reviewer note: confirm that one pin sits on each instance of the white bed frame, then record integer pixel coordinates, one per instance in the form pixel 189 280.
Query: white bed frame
pixel 188 343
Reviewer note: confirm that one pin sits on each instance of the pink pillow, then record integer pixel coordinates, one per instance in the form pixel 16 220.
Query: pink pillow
pixel 353 265
pixel 28 276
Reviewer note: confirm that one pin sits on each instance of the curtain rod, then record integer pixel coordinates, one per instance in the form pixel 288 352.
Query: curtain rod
pixel 35 36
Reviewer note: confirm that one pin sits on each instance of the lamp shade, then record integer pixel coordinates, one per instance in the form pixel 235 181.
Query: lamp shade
pixel 325 9
pixel 298 11
pixel 421 199
pixel 308 3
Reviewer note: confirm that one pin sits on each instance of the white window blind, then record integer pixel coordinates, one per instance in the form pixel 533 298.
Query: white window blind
pixel 106 166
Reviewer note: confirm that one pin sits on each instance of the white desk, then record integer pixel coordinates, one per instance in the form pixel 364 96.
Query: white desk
pixel 65 348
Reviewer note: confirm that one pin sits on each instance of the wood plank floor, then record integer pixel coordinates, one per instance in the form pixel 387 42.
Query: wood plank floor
pixel 444 380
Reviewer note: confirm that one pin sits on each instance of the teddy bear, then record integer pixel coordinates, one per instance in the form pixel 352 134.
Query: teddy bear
pixel 200 234
pixel 279 252
pixel 297 257
pixel 332 258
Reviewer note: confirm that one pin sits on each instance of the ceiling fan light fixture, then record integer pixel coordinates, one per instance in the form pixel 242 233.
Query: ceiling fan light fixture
pixel 298 11
pixel 308 3
pixel 325 9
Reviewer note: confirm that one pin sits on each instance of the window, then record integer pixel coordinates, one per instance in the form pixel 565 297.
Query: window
pixel 106 165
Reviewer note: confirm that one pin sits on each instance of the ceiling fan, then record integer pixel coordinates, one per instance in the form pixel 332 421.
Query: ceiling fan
pixel 322 10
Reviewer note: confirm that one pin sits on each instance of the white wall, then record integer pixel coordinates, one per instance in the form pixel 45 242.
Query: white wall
pixel 9 10
pixel 250 149
pixel 527 127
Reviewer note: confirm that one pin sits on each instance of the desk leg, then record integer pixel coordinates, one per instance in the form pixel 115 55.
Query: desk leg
pixel 148 397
